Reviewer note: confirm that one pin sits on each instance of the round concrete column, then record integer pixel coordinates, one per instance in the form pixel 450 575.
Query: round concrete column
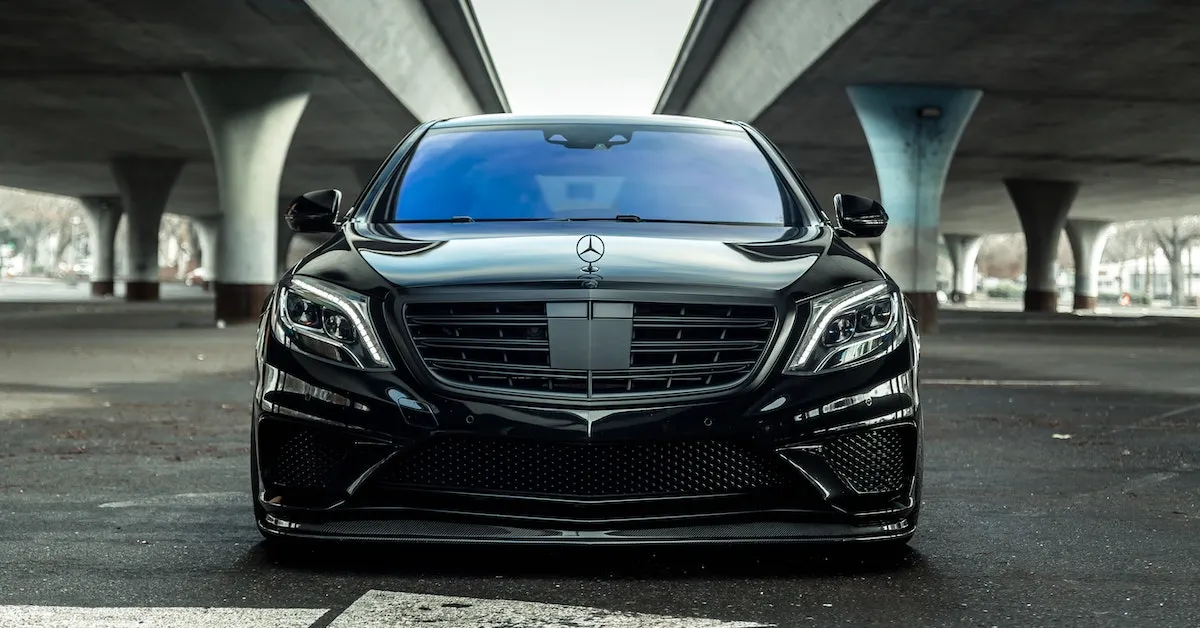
pixel 1042 206
pixel 250 117
pixel 104 214
pixel 1087 238
pixel 208 231
pixel 963 250
pixel 145 185
pixel 913 131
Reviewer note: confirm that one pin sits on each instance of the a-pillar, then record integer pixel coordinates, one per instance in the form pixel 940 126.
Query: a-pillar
pixel 1042 206
pixel 963 250
pixel 250 118
pixel 145 185
pixel 913 131
pixel 1087 238
pixel 208 231
pixel 104 214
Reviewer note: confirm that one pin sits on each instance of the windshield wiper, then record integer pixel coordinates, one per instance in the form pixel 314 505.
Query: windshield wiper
pixel 635 218
pixel 469 219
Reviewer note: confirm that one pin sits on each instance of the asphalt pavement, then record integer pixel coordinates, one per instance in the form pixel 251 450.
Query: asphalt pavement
pixel 1062 489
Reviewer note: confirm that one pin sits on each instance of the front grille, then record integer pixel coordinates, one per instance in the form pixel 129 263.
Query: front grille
pixel 877 461
pixel 491 345
pixel 544 468
pixel 685 347
pixel 672 347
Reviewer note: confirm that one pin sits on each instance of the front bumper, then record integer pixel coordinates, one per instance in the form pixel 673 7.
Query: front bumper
pixel 375 457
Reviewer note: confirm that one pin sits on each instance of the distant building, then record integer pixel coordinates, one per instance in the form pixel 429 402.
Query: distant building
pixel 1131 276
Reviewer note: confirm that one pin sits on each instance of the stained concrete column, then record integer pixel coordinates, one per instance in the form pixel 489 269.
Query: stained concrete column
pixel 104 214
pixel 963 250
pixel 1087 238
pixel 913 131
pixel 145 185
pixel 250 117
pixel 1042 206
pixel 208 231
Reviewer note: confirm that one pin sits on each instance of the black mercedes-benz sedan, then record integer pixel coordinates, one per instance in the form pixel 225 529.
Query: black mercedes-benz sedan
pixel 586 330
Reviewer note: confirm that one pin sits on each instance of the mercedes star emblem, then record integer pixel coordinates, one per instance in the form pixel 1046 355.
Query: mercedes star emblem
pixel 590 248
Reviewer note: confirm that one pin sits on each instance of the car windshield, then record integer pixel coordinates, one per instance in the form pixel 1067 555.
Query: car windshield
pixel 590 172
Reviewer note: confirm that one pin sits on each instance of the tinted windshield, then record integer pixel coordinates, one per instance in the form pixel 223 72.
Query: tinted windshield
pixel 590 171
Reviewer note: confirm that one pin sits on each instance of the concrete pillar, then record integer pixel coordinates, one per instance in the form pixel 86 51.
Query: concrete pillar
pixel 1087 238
pixel 284 235
pixel 876 250
pixel 104 214
pixel 208 231
pixel 1042 206
pixel 145 185
pixel 963 250
pixel 913 131
pixel 250 117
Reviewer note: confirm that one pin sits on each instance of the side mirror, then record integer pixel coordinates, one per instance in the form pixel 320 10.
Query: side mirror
pixel 859 217
pixel 314 212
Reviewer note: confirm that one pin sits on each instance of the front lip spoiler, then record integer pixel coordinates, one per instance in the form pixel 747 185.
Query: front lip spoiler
pixel 419 531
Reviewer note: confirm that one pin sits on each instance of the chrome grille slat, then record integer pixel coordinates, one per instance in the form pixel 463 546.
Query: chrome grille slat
pixel 674 347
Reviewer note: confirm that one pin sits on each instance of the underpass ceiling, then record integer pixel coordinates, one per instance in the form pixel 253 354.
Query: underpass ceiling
pixel 84 81
pixel 1100 91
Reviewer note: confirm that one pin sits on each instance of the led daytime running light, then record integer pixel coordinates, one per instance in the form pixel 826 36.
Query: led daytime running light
pixel 352 311
pixel 824 314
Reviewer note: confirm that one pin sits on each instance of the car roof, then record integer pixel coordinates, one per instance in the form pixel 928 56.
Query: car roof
pixel 494 119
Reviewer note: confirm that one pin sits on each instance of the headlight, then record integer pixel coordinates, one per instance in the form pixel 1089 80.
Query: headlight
pixel 849 327
pixel 330 322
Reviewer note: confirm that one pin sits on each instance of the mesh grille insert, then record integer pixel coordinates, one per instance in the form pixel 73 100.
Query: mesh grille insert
pixel 871 462
pixel 665 468
pixel 299 458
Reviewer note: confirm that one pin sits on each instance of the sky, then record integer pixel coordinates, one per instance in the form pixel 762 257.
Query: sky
pixel 584 56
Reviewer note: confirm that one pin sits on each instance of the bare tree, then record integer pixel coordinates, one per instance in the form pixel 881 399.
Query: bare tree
pixel 1174 238
pixel 1002 256
pixel 33 218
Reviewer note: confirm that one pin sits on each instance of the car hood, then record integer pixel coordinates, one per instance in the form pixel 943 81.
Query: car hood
pixel 634 255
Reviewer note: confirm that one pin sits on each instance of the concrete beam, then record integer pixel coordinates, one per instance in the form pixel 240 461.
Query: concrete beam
pixel 401 43
pixel 455 21
pixel 711 26
pixel 739 59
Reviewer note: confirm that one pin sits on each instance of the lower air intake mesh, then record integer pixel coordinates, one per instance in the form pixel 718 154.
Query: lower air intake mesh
pixel 871 462
pixel 586 469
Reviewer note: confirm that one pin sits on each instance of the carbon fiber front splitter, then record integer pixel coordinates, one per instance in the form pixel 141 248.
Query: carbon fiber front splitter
pixel 426 531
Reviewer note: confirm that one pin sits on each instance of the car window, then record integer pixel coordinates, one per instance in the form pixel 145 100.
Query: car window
pixel 590 171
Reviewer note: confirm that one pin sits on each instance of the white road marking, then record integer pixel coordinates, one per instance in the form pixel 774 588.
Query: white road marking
pixel 411 610
pixel 233 498
pixel 1014 383
pixel 168 617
